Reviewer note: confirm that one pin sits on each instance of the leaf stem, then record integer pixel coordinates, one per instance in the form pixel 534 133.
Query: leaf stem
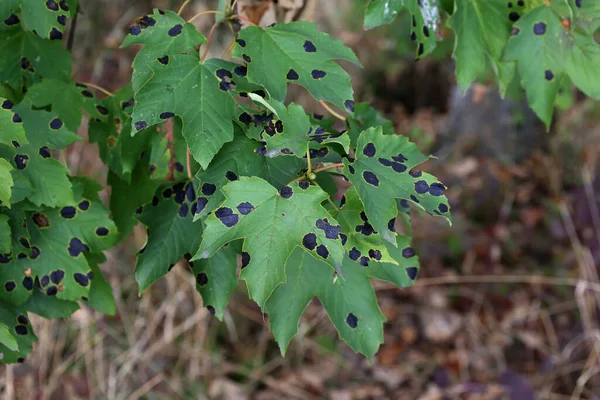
pixel 188 161
pixel 205 13
pixel 232 6
pixel 100 88
pixel 331 111
pixel 229 48
pixel 185 3
pixel 210 35
pixel 309 171
pixel 316 171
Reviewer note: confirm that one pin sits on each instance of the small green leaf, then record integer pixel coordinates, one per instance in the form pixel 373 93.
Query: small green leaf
pixel 349 301
pixel 403 275
pixel 296 52
pixel 216 277
pixel 7 340
pixel 46 18
pixel 15 282
pixel 288 131
pixel 50 307
pixel 272 223
pixel 5 238
pixel 172 232
pixel 10 131
pixel 384 170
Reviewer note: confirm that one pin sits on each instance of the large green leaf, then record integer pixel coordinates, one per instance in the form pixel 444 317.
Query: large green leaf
pixel 272 224
pixel 216 277
pixel 482 28
pixel 172 232
pixel 296 52
pixel 6 182
pixel 545 52
pixel 194 92
pixel 27 57
pixel 384 171
pixel 360 239
pixel 20 328
pixel 349 301
pixel 63 235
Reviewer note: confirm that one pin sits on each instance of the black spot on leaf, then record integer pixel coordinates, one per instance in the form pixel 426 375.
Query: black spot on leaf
pixel 22 320
pixel 322 251
pixel 189 192
pixel 443 208
pixel 227 217
pixel 539 28
pixel 55 34
pixel 375 254
pixel 7 104
pixel 28 283
pixel 436 189
pixel 318 74
pixel 331 231
pixel 56 124
pixel 16 118
pixel 286 192
pixel 351 169
pixel 420 50
pixel 68 212
pixel 309 241
pixel 245 259
pixel 364 261
pixel 208 189
pixel 369 150
pixel 371 178
pixel 304 185
pixel 76 246
pixel 140 125
pixel 231 176
pixel 101 231
pixel 10 286
pixel 309 47
pixel 202 201
pixel 45 280
pixel 135 30
pixel 241 42
pixel 425 31
pixel 415 173
pixel 245 118
pixel 12 20
pixel 201 279
pixel 62 19
pixel 63 5
pixel 549 75
pixel 392 225
pixel 81 279
pixel 245 208
pixel 385 162
pixel 246 58
pixel 412 272
pixel 399 158
pixel 514 16
pixel 413 36
pixel 352 321
pixel 128 103
pixel 354 254
pixel 344 239
pixel 399 168
pixel 57 276
pixel 241 70
pixel 183 210
pixel 421 187
pixel 21 330
pixel 166 115
pixel 44 152
pixel 83 205
pixel 164 60
pixel 51 291
pixel 41 220
pixel 211 309
pixel 176 30
pixel 414 198
pixel 408 252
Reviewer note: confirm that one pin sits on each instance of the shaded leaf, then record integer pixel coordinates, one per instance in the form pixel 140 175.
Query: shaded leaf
pixel 101 298
pixel 21 330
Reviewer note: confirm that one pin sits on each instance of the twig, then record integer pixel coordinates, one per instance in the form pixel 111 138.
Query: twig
pixel 185 3
pixel 331 111
pixel 71 38
pixel 232 6
pixel 210 35
pixel 188 161
pixel 205 13
pixel 316 171
pixel 229 48
pixel 100 88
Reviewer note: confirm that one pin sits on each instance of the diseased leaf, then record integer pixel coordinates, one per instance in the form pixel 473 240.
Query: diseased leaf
pixel 62 235
pixel 349 301
pixel 545 52
pixel 402 275
pixel 16 282
pixel 10 132
pixel 46 18
pixel 172 232
pixel 20 329
pixel 7 340
pixel 296 52
pixel 384 170
pixel 6 182
pixel 482 28
pixel 365 117
pixel 101 298
pixel 362 243
pixel 50 307
pixel 216 277
pixel 381 12
pixel 272 224
pixel 5 237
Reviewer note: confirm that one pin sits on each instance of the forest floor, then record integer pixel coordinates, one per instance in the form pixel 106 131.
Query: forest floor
pixel 507 304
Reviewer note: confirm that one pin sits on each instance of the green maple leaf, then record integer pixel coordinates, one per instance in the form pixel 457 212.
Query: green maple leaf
pixel 27 57
pixel 361 241
pixel 425 16
pixel 350 302
pixel 216 277
pixel 172 232
pixel 546 52
pixel 403 273
pixel 384 171
pixel 482 28
pixel 46 18
pixel 20 329
pixel 7 182
pixel 272 224
pixel 49 307
pixel 296 52
pixel 63 235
